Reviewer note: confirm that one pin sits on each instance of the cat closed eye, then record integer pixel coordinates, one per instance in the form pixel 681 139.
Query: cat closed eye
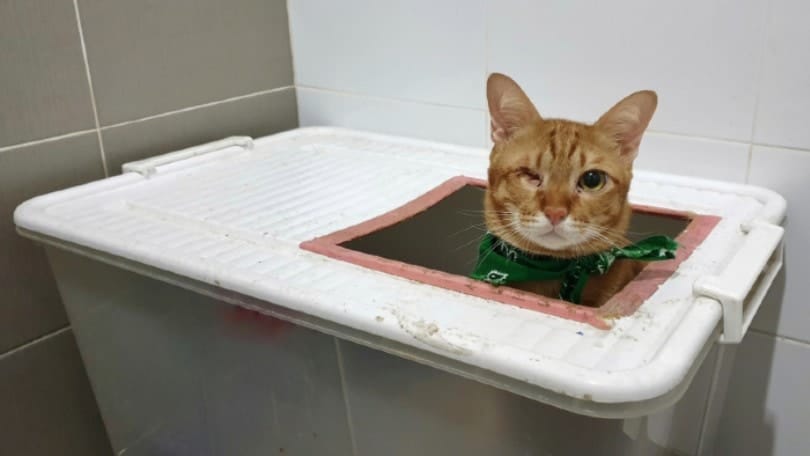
pixel 530 176
pixel 592 180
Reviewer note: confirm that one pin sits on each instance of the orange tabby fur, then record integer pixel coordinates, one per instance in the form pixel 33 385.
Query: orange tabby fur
pixel 535 167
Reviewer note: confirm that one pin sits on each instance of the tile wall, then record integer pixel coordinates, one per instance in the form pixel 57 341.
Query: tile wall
pixel 86 86
pixel 734 88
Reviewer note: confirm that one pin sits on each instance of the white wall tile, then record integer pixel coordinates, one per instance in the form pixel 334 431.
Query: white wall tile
pixel 417 50
pixel 786 310
pixel 418 120
pixel 766 410
pixel 577 58
pixel 784 97
pixel 696 157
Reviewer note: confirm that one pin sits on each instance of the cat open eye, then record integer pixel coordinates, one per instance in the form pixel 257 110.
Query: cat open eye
pixel 530 176
pixel 592 180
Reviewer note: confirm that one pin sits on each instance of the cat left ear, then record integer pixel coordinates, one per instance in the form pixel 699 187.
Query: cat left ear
pixel 627 120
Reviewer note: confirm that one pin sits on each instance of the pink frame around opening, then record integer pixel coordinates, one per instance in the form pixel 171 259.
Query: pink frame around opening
pixel 623 303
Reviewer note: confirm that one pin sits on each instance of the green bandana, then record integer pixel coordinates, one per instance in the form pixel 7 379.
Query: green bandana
pixel 500 263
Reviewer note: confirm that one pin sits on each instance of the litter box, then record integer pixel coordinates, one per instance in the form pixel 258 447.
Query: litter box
pixel 368 239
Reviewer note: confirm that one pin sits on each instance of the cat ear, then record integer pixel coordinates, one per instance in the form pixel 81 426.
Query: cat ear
pixel 627 120
pixel 509 107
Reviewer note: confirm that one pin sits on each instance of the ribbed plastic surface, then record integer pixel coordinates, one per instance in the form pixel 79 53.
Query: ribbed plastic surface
pixel 234 218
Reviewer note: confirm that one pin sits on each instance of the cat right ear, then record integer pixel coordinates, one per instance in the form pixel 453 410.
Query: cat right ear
pixel 509 107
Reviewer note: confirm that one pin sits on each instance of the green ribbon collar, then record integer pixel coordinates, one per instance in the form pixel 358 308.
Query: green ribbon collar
pixel 500 263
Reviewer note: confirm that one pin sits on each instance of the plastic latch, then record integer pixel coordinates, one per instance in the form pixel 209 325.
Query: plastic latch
pixel 148 167
pixel 742 285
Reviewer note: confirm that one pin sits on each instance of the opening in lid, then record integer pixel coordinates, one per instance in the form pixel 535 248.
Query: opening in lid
pixel 434 240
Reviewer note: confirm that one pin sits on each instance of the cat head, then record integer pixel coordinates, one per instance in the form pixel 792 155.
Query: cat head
pixel 558 187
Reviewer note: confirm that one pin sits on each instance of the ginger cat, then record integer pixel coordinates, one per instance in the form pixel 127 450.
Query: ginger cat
pixel 559 188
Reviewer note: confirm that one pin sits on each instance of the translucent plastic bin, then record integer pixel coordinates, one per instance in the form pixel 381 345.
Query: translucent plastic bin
pixel 166 269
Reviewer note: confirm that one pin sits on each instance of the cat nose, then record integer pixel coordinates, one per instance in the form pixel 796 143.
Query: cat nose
pixel 555 215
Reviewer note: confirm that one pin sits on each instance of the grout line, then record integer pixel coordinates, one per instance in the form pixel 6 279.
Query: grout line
pixel 758 91
pixel 371 97
pixel 748 163
pixel 200 106
pixel 382 98
pixel 290 34
pixel 484 110
pixel 699 137
pixel 761 69
pixel 90 86
pixel 487 126
pixel 445 105
pixel 752 144
pixel 30 343
pixel 777 146
pixel 486 41
pixel 191 108
pixel 292 39
pixel 345 391
pixel 46 140
pixel 788 339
